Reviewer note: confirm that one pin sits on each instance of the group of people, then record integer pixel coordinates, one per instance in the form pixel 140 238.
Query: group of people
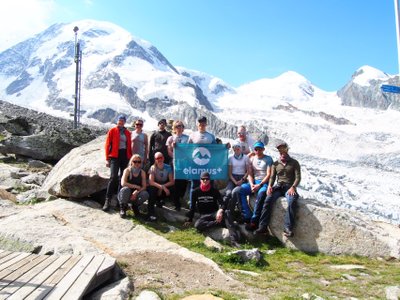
pixel 141 169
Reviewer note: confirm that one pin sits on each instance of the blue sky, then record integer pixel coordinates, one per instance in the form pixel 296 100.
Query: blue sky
pixel 238 41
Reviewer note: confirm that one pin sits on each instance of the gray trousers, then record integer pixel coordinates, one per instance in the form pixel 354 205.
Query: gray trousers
pixel 124 197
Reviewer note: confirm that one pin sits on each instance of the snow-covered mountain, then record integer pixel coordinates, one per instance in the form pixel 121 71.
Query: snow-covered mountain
pixel 347 142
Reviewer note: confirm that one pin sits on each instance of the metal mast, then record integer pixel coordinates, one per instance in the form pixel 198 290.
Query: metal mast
pixel 77 95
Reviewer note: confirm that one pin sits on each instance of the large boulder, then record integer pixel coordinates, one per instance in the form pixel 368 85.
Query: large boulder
pixel 29 133
pixel 80 173
pixel 335 231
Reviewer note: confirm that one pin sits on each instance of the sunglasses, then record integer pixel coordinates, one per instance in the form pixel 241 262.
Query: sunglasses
pixel 136 161
pixel 241 133
pixel 138 124
pixel 258 149
pixel 205 179
pixel 158 158
pixel 179 126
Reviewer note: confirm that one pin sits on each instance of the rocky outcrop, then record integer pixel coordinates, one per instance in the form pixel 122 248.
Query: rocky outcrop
pixel 371 95
pixel 318 228
pixel 328 117
pixel 80 173
pixel 336 231
pixel 38 135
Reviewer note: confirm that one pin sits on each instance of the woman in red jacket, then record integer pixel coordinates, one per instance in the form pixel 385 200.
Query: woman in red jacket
pixel 118 152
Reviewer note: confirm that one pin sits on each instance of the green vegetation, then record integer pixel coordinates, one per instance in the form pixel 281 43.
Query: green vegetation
pixel 289 274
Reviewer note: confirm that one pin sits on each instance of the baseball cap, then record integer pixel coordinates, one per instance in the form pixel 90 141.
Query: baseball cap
pixel 121 117
pixel 258 145
pixel 281 143
pixel 236 144
pixel 202 119
pixel 205 175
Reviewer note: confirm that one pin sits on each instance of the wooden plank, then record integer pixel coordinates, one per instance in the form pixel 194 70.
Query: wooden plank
pixel 12 280
pixel 62 287
pixel 4 253
pixel 33 278
pixel 108 264
pixel 54 279
pixel 81 284
pixel 4 262
pixel 16 262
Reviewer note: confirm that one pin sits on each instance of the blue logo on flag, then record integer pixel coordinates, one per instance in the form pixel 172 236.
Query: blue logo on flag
pixel 190 160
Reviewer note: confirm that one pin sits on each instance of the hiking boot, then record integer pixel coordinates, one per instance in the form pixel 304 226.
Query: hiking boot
pixel 235 244
pixel 251 226
pixel 152 218
pixel 106 205
pixel 136 211
pixel 261 231
pixel 122 213
pixel 287 232
pixel 177 208
pixel 160 203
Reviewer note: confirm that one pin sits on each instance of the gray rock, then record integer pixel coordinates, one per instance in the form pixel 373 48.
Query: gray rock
pixel 80 173
pixel 29 133
pixel 218 234
pixel 9 177
pixel 148 295
pixel 37 164
pixel 335 231
pixel 212 244
pixel 247 255
pixel 37 179
pixel 116 291
pixel 392 292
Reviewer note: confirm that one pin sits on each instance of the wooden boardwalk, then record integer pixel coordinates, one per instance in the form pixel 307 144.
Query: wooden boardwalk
pixel 32 276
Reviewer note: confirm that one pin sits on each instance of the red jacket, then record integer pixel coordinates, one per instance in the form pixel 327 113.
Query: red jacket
pixel 112 143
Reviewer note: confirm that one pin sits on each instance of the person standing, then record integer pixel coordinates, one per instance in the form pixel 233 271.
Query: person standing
pixel 286 171
pixel 140 142
pixel 158 142
pixel 118 152
pixel 201 136
pixel 177 138
pixel 245 141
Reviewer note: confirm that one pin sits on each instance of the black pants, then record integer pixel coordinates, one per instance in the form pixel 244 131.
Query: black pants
pixel 117 166
pixel 154 197
pixel 180 189
pixel 207 221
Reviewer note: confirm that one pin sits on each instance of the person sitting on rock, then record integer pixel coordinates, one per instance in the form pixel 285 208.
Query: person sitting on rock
pixel 161 184
pixel 207 201
pixel 238 165
pixel 118 152
pixel 133 192
pixel 259 173
pixel 286 171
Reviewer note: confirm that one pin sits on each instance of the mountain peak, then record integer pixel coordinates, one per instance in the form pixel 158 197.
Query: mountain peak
pixel 365 74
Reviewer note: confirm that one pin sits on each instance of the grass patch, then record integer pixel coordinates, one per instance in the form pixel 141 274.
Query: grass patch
pixel 289 274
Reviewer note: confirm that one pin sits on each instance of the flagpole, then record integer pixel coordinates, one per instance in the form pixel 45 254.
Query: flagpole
pixel 396 10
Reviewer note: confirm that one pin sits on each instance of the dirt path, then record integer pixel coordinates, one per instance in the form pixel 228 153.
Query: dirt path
pixel 173 274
